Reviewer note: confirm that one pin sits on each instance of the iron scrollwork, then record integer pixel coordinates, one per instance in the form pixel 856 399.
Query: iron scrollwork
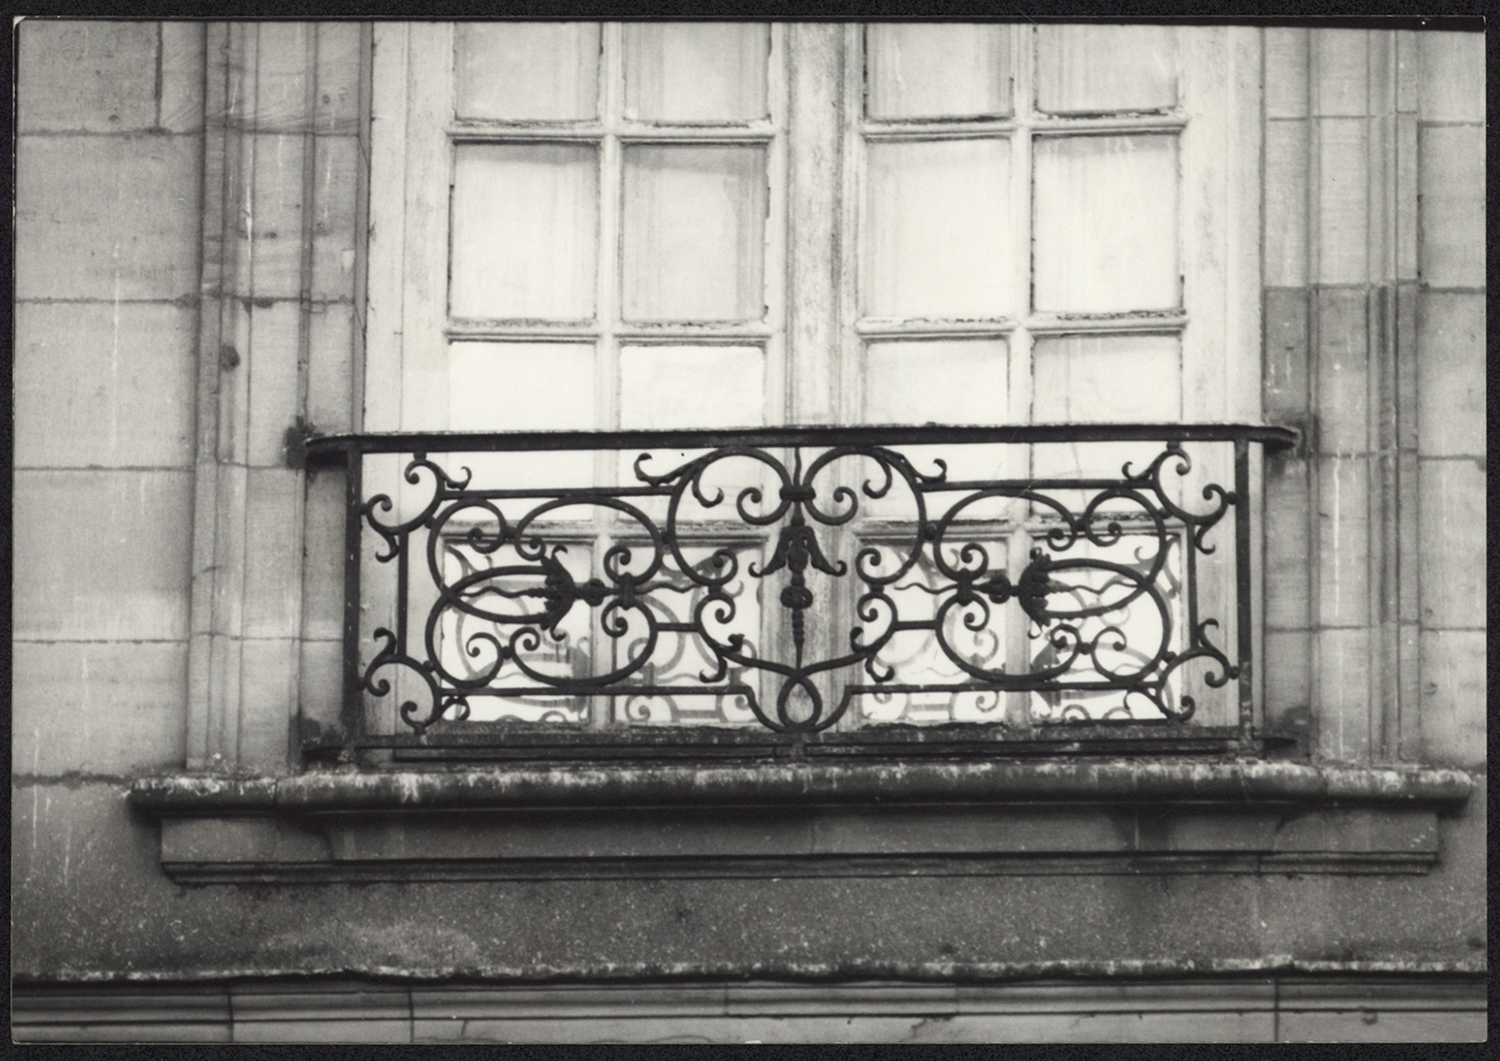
pixel 661 609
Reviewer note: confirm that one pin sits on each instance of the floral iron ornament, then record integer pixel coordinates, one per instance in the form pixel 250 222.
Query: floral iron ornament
pixel 1101 576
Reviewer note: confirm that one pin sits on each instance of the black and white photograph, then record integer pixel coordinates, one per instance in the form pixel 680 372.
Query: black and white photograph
pixel 728 531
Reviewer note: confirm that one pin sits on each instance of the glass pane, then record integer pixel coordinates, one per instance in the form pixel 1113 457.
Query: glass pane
pixel 950 382
pixel 942 382
pixel 1102 69
pixel 522 387
pixel 691 386
pixel 525 231
pixel 976 632
pixel 680 659
pixel 1102 379
pixel 510 584
pixel 937 235
pixel 694 233
pixel 937 71
pixel 1106 223
pixel 1128 641
pixel 696 71
pixel 536 70
pixel 665 387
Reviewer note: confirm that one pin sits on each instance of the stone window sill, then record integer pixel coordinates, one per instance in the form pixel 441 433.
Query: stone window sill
pixel 801 819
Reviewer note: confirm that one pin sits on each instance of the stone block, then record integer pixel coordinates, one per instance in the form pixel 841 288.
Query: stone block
pixel 1342 207
pixel 1451 167
pixel 562 1001
pixel 271 1002
pixel 1451 373
pixel 1343 202
pixel 1287 539
pixel 1288 677
pixel 1341 64
pixel 268 704
pixel 97 707
pixel 274 164
pixel 182 61
pixel 323 1030
pixel 1406 196
pixel 321 683
pixel 123 1032
pixel 283 73
pixel 1286 71
pixel 1451 548
pixel 273 553
pixel 323 556
pixel 107 217
pixel 1286 149
pixel 1454 687
pixel 334 236
pixel 330 370
pixel 1342 687
pixel 1284 385
pixel 337 107
pixel 98 77
pixel 272 364
pixel 1343 541
pixel 1453 76
pixel 1381 1026
pixel 101 385
pixel 1343 371
pixel 101 555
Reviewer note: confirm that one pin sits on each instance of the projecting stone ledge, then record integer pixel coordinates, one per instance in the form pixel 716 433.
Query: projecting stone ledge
pixel 580 786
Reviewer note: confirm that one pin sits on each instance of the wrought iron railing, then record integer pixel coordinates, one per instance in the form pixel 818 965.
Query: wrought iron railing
pixel 796 583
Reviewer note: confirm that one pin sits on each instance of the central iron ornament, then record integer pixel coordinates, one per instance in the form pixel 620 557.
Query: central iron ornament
pixel 1073 592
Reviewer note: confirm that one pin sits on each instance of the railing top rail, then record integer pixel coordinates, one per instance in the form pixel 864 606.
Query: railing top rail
pixel 330 446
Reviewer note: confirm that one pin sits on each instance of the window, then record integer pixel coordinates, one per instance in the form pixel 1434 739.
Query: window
pixel 746 226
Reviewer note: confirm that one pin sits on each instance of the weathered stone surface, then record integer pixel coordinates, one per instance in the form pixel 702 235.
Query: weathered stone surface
pixel 182 62
pixel 1286 71
pixel 337 108
pixel 1451 162
pixel 86 75
pixel 1286 150
pixel 100 385
pixel 1343 200
pixel 1341 62
pixel 101 555
pixel 97 708
pixel 1343 541
pixel 268 683
pixel 1343 371
pixel 273 553
pixel 107 217
pixel 1451 383
pixel 1287 538
pixel 1284 385
pixel 1454 695
pixel 1452 82
pixel 1452 545
pixel 1288 670
pixel 330 374
pixel 1341 686
pixel 271 363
